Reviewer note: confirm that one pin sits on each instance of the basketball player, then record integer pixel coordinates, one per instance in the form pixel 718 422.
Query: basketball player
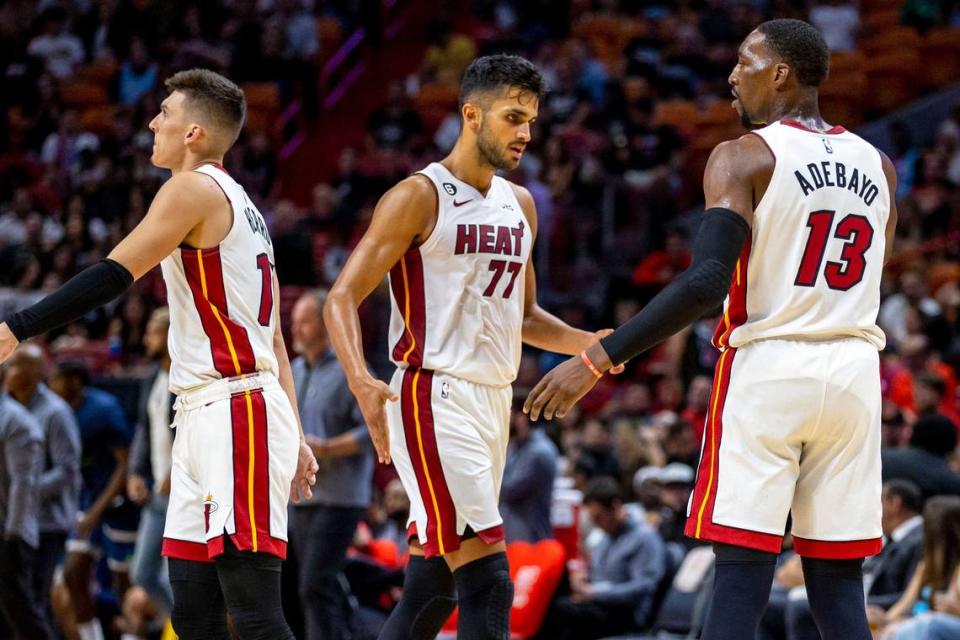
pixel 456 241
pixel 800 218
pixel 239 452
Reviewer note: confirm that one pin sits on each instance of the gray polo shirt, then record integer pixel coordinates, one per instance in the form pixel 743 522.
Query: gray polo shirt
pixel 58 487
pixel 526 493
pixel 20 463
pixel 327 410
pixel 626 568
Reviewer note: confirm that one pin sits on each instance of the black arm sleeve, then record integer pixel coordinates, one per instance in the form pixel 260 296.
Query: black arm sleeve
pixel 694 292
pixel 91 288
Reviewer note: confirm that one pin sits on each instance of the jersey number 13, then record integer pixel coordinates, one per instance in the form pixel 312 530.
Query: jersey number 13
pixel 841 276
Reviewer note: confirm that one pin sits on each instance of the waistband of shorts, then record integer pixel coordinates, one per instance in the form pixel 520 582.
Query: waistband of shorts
pixel 812 341
pixel 437 372
pixel 223 389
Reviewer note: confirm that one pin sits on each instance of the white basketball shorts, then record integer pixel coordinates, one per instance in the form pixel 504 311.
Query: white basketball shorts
pixel 448 441
pixel 793 427
pixel 234 457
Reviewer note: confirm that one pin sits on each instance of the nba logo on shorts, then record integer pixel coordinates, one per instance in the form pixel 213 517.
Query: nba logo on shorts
pixel 445 390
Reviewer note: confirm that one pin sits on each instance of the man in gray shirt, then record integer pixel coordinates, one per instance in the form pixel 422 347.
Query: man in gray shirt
pixel 527 490
pixel 58 486
pixel 627 564
pixel 20 463
pixel 322 528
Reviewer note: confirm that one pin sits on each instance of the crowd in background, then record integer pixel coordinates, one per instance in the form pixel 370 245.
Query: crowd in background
pixel 616 210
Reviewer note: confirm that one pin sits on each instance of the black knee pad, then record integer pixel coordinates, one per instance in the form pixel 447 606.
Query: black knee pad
pixel 485 592
pixel 732 554
pixel 498 613
pixel 429 620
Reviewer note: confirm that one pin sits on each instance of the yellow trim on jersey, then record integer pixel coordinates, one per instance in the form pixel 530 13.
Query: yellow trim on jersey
pixel 713 435
pixel 725 336
pixel 250 507
pixel 406 313
pixel 216 313
pixel 423 459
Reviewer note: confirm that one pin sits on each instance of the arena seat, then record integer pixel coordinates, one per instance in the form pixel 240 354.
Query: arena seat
pixel 894 74
pixel 100 72
pixel 98 119
pixel 681 114
pixel 841 96
pixel 83 93
pixel 896 39
pixel 536 570
pixel 880 20
pixel 940 48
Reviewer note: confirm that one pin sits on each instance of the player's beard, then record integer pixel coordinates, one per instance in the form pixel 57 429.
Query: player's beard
pixel 490 151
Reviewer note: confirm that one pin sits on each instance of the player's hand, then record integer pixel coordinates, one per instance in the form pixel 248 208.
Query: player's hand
pixel 559 390
pixel 306 475
pixel 8 342
pixel 372 396
pixel 86 525
pixel 137 489
pixel 603 333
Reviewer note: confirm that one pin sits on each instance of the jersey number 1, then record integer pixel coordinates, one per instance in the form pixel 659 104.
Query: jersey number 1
pixel 841 276
pixel 266 292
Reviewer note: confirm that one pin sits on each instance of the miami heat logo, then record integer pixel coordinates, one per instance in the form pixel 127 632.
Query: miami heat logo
pixel 209 506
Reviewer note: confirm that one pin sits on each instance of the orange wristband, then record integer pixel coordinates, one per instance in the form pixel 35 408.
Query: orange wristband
pixel 590 365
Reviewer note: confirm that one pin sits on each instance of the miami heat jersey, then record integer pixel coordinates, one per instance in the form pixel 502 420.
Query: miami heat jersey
pixel 457 299
pixel 221 299
pixel 812 268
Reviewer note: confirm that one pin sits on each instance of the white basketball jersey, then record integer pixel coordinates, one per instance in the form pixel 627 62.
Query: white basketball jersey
pixel 812 267
pixel 457 303
pixel 221 299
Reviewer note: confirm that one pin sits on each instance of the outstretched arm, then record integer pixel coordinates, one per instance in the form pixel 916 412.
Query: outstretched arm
pixel 729 188
pixel 541 328
pixel 404 218
pixel 179 207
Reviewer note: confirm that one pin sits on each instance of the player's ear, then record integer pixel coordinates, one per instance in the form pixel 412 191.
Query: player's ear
pixel 781 74
pixel 471 116
pixel 194 133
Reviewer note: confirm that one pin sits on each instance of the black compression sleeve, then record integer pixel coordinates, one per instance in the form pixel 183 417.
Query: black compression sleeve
pixel 694 292
pixel 93 287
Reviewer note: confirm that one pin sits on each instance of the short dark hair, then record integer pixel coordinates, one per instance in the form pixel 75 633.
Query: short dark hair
pixel 934 434
pixel 934 381
pixel 215 96
pixel 603 491
pixel 75 369
pixel 501 71
pixel 800 46
pixel 908 492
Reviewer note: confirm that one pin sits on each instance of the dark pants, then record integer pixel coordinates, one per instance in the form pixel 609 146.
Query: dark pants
pixel 319 538
pixel 569 620
pixel 18 601
pixel 49 555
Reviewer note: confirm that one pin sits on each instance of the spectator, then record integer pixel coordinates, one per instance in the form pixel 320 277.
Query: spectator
pixel 925 461
pixel 885 575
pixel 838 21
pixel 935 585
pixel 148 482
pixel 322 528
pixel 662 266
pixel 395 123
pixel 63 149
pixel 60 50
pixel 527 490
pixel 396 512
pixel 21 450
pixel 627 565
pixel 104 527
pixel 138 74
pixel 58 486
pixel 930 398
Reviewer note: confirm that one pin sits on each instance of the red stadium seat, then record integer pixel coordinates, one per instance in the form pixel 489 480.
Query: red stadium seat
pixel 892 79
pixel 894 40
pixel 940 50
pixel 82 93
pixel 681 114
pixel 100 72
pixel 841 96
pixel 98 120
pixel 881 20
pixel 263 95
pixel 536 570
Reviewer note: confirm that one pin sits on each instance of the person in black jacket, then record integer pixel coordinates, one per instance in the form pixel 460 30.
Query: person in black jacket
pixel 925 461
pixel 148 482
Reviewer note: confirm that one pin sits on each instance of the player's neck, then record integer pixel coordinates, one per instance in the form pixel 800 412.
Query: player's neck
pixel 193 161
pixel 805 110
pixel 465 165
pixel 23 395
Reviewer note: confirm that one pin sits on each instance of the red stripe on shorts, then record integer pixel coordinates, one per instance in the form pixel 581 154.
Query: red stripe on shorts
pixel 700 523
pixel 735 314
pixel 830 550
pixel 251 473
pixel 421 440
